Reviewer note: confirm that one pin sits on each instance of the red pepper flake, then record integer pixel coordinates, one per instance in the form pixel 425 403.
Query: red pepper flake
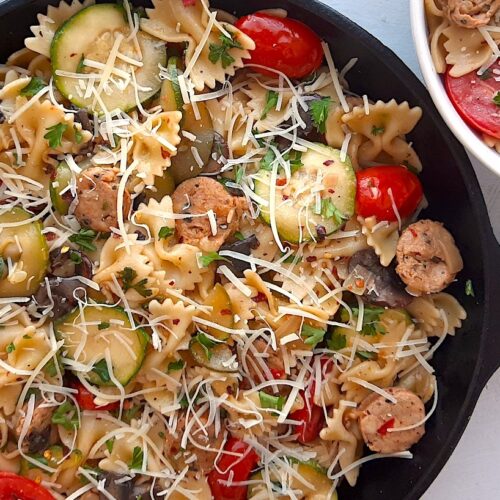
pixel 164 153
pixel 285 197
pixel 189 3
pixel 50 236
pixel 331 191
pixel 384 428
pixel 277 373
pixel 280 182
pixel 360 283
pixel 176 321
pixel 226 312
pixel 327 163
pixel 312 258
pixel 260 297
pixel 335 272
pixel 413 232
pixel 171 283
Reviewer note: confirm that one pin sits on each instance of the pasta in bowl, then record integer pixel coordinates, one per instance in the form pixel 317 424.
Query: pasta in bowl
pixel 215 277
pixel 457 46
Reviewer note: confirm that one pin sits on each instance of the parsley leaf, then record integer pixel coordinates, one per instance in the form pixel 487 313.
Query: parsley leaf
pixel 208 258
pixel 469 290
pixel 34 86
pixel 67 416
pixel 78 135
pixel 103 325
pixel 330 211
pixel 366 355
pixel 127 276
pixel 292 259
pixel 337 341
pixel 51 367
pixel 165 232
pixel 221 52
pixel 175 366
pixel 206 343
pixel 54 134
pixel 271 103
pixel 101 369
pixel 240 172
pixel 75 257
pixel 371 320
pixel 319 113
pixel 109 444
pixel 239 236
pixel 137 458
pixel 269 401
pixel 295 159
pixel 496 99
pixel 84 239
pixel 313 336
pixel 267 162
pixel 10 348
pixel 377 130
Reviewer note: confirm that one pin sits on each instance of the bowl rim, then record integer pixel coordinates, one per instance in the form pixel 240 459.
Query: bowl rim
pixel 470 140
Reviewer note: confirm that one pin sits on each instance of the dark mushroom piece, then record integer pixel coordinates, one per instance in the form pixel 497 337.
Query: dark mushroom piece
pixel 387 289
pixel 37 437
pixel 69 264
pixel 64 294
pixel 245 247
pixel 219 149
pixel 120 491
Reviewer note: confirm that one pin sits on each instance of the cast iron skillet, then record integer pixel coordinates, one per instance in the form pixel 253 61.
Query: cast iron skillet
pixel 464 363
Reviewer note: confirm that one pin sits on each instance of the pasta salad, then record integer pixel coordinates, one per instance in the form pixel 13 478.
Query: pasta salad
pixel 214 281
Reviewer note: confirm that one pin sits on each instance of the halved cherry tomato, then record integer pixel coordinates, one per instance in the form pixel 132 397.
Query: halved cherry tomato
pixel 233 466
pixel 286 45
pixel 374 198
pixel 85 399
pixel 473 99
pixel 14 487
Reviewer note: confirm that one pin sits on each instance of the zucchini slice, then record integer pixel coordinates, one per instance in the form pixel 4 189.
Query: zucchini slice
pixel 87 336
pixel 317 201
pixel 219 359
pixel 171 96
pixel 62 180
pixel 90 34
pixel 26 247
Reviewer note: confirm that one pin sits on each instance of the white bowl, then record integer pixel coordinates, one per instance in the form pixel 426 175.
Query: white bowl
pixel 472 141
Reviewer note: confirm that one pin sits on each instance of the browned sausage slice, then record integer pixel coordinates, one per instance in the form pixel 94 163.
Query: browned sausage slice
pixel 378 415
pixel 198 196
pixel 471 13
pixel 428 259
pixel 97 199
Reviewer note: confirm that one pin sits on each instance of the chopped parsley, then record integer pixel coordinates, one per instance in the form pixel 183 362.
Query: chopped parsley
pixel 175 366
pixel 55 134
pixel 137 458
pixel 240 172
pixel 208 258
pixel 371 320
pixel 10 348
pixel 206 343
pixel 78 135
pixel 51 367
pixel 267 162
pixel 292 259
pixel 84 239
pixel 103 325
pixel 295 159
pixel 34 86
pixel 165 232
pixel 272 402
pixel 366 355
pixel 330 211
pixel 67 416
pixel 109 444
pixel 469 289
pixel 75 257
pixel 271 103
pixel 101 370
pixel 3 267
pixel 239 236
pixel 319 113
pixel 337 341
pixel 377 130
pixel 220 52
pixel 496 99
pixel 130 413
pixel 128 275
pixel 313 336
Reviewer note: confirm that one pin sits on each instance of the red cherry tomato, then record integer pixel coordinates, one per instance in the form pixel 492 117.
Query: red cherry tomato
pixel 16 487
pixel 374 198
pixel 285 45
pixel 473 99
pixel 235 466
pixel 85 399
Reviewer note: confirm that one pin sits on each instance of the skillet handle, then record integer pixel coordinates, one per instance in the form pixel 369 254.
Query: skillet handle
pixel 491 343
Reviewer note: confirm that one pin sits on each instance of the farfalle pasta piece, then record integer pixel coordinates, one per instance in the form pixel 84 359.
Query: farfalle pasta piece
pixel 174 321
pixel 336 430
pixel 492 142
pixel 382 236
pixel 173 21
pixel 49 23
pixel 385 128
pixel 467 49
pixel 154 145
pixel 428 313
pixel 420 382
pixel 437 23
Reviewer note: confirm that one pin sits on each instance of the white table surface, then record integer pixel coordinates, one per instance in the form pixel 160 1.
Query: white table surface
pixel 472 471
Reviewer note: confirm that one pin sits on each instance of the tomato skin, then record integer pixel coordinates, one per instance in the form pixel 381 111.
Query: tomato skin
pixel 473 100
pixel 85 399
pixel 17 487
pixel 241 469
pixel 312 421
pixel 373 198
pixel 285 45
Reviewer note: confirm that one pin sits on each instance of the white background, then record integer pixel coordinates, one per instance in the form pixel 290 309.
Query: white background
pixel 472 473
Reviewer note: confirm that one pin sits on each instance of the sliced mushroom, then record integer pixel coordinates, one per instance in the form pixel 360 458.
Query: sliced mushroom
pixel 386 288
pixel 70 263
pixel 37 437
pixel 120 491
pixel 245 247
pixel 62 294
